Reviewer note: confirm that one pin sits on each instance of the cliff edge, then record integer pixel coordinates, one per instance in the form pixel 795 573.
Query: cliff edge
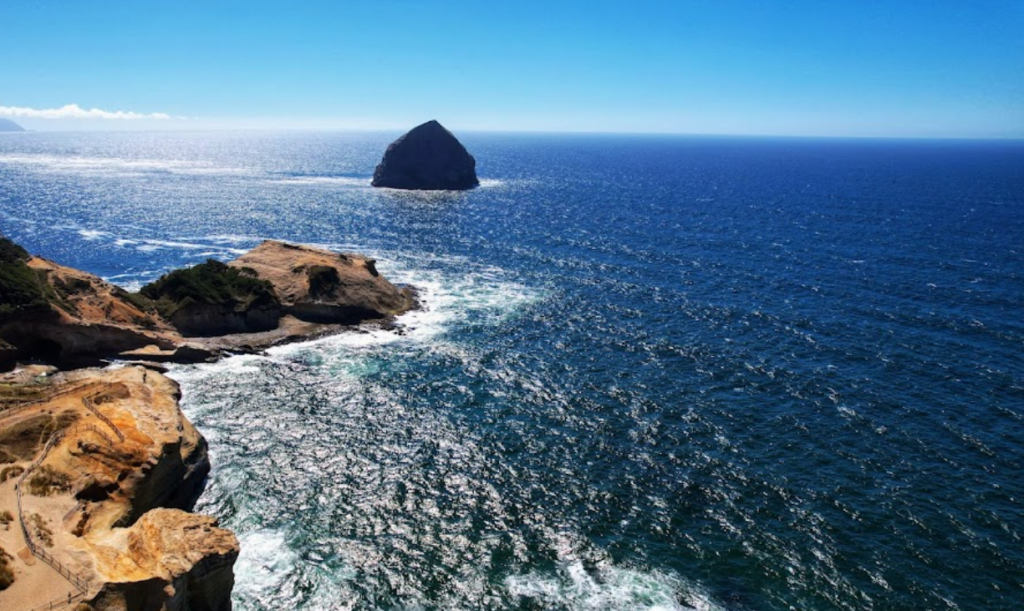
pixel 107 469
pixel 67 317
pixel 275 293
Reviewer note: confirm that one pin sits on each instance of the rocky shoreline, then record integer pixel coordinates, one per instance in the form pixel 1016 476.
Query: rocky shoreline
pixel 102 469
pixel 275 293
pixel 99 468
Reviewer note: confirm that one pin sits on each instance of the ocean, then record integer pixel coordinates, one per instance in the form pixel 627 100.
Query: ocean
pixel 651 372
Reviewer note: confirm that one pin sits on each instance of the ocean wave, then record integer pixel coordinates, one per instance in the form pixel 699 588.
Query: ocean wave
pixel 323 181
pixel 119 166
pixel 152 245
pixel 265 565
pixel 202 247
pixel 609 588
pixel 484 295
pixel 231 367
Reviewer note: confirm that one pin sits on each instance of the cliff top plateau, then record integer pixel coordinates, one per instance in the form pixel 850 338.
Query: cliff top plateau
pixel 98 469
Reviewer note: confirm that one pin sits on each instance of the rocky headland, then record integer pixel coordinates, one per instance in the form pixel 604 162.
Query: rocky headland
pixel 427 158
pixel 275 293
pixel 6 125
pixel 99 468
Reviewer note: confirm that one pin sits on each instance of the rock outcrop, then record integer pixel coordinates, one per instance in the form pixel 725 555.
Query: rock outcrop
pixel 427 158
pixel 277 292
pixel 65 316
pixel 168 560
pixel 273 282
pixel 6 125
pixel 321 286
pixel 212 299
pixel 109 499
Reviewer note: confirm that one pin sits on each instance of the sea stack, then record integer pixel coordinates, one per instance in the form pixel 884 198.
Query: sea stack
pixel 6 125
pixel 427 158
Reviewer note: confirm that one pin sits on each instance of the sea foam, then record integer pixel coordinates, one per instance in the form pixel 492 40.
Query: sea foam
pixel 609 589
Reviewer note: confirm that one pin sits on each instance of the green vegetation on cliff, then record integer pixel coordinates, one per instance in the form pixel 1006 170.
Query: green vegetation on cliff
pixel 21 287
pixel 212 283
pixel 6 570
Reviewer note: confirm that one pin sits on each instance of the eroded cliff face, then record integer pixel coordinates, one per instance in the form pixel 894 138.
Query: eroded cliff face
pixel 140 451
pixel 275 293
pixel 112 493
pixel 321 286
pixel 167 561
pixel 83 319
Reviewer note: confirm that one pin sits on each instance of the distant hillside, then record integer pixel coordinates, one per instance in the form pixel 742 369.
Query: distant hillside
pixel 6 125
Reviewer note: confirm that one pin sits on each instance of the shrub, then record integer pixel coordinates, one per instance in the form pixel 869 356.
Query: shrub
pixel 135 299
pixel 10 472
pixel 213 283
pixel 9 251
pixel 43 532
pixel 71 285
pixel 21 287
pixel 46 481
pixel 6 571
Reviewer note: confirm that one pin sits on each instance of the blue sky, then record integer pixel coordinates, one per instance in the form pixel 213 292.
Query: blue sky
pixel 894 68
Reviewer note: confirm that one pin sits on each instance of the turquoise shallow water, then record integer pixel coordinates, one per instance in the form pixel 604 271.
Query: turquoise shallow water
pixel 651 373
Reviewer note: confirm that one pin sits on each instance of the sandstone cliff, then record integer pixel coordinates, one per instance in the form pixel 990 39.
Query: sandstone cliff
pixel 213 299
pixel 322 286
pixel 276 292
pixel 62 315
pixel 108 499
pixel 168 561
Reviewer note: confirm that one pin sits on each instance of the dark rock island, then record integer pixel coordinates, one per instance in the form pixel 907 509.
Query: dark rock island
pixel 6 125
pixel 427 158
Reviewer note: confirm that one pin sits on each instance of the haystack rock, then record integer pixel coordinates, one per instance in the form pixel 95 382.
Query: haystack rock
pixel 427 158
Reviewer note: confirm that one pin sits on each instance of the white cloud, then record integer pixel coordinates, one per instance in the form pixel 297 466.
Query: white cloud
pixel 74 111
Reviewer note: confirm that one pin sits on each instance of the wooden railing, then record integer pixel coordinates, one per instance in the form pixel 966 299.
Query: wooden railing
pixel 87 402
pixel 21 405
pixel 98 431
pixel 58 603
pixel 37 550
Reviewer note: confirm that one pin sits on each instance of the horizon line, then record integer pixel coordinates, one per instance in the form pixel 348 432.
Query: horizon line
pixel 147 129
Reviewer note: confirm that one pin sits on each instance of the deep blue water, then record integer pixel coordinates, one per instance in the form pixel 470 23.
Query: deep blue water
pixel 652 372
